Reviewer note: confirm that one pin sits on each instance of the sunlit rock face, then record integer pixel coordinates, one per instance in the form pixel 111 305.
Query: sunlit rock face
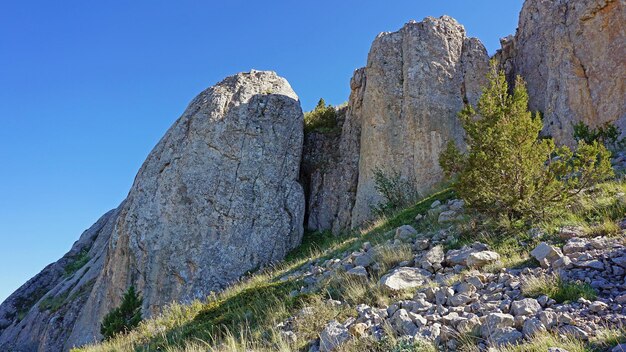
pixel 417 80
pixel 572 54
pixel 217 197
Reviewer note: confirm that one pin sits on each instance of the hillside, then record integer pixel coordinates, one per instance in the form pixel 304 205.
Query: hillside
pixel 331 287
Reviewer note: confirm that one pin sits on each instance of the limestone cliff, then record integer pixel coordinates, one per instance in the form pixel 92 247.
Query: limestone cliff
pixel 217 197
pixel 418 79
pixel 572 54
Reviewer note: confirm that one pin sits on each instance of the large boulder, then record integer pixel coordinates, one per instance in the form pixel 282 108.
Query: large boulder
pixel 417 80
pixel 217 197
pixel 572 55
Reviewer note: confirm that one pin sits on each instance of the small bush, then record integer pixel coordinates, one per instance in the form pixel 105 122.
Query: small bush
pixel 607 134
pixel 323 118
pixel 77 262
pixel 123 318
pixel 556 288
pixel 53 303
pixel 397 192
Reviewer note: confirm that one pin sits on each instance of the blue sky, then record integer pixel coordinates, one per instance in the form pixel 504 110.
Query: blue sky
pixel 88 88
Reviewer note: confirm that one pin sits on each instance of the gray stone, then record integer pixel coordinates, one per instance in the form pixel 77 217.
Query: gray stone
pixel 433 258
pixel 358 271
pixel 591 264
pixel 532 327
pixel 402 323
pixel 505 336
pixel 405 232
pixel 575 245
pixel 404 278
pixel 447 216
pixel 364 260
pixel 480 259
pixel 495 321
pixel 333 336
pixel 546 254
pixel 526 306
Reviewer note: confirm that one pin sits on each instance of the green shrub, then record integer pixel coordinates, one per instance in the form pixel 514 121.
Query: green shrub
pixel 77 262
pixel 53 303
pixel 322 118
pixel 508 169
pixel 607 134
pixel 123 318
pixel 397 192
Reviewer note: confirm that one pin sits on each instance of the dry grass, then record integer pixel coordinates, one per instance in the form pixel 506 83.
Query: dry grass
pixel 541 343
pixel 556 288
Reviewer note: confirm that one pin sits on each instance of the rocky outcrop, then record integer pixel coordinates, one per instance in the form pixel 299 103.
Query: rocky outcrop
pixel 402 111
pixel 418 79
pixel 217 197
pixel 572 54
pixel 330 166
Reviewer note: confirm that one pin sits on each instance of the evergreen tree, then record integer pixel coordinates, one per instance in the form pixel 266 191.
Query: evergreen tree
pixel 508 170
pixel 322 118
pixel 125 317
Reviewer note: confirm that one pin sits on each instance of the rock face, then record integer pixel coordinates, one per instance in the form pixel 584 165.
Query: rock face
pixel 572 54
pixel 217 197
pixel 330 165
pixel 417 80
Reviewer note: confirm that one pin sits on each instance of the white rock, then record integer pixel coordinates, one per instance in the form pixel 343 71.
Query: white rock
pixel 526 306
pixel 333 336
pixel 404 278
pixel 480 259
pixel 546 254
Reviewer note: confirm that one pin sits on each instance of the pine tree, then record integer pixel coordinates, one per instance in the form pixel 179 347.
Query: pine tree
pixel 125 317
pixel 322 118
pixel 508 169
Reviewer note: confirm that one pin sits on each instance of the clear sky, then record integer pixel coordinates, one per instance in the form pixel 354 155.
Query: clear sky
pixel 87 88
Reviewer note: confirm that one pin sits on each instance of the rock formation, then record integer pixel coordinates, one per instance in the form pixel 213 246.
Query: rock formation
pixel 572 55
pixel 330 165
pixel 418 79
pixel 217 197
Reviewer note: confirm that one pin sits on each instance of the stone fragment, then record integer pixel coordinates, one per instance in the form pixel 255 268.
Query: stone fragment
pixel 546 254
pixel 526 306
pixel 404 278
pixel 333 336
pixel 480 259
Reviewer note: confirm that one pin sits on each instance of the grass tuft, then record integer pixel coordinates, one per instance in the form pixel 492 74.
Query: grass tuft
pixel 556 288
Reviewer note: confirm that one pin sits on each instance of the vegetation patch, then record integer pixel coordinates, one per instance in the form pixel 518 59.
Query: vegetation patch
pixel 321 119
pixel 556 288
pixel 76 263
pixel 53 303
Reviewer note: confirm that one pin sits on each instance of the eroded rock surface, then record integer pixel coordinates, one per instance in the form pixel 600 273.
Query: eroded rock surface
pixel 217 197
pixel 572 54
pixel 418 79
